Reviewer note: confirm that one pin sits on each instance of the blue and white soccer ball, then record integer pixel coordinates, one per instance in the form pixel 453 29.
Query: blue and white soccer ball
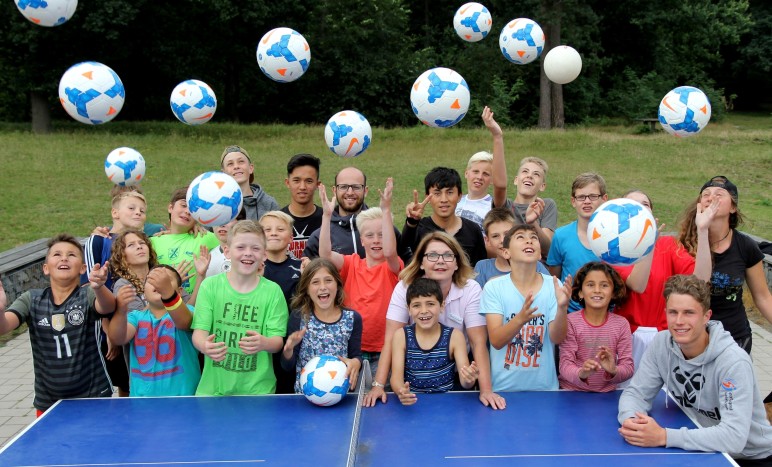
pixel 472 22
pixel 440 97
pixel 684 111
pixel 323 380
pixel 125 166
pixel 47 13
pixel 521 41
pixel 283 55
pixel 214 198
pixel 91 93
pixel 348 133
pixel 193 102
pixel 622 231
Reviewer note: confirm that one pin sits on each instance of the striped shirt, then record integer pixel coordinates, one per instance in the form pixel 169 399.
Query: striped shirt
pixel 65 343
pixel 429 370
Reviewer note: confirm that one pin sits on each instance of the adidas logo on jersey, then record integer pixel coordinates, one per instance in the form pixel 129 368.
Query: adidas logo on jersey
pixel 295 276
pixel 44 322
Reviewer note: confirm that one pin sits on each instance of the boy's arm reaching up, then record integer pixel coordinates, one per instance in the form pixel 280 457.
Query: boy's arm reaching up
pixel 105 300
pixel 389 237
pixel 558 328
pixel 499 166
pixel 118 330
pixel 325 241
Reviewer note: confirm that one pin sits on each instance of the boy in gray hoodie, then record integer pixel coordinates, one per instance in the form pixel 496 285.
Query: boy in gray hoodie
pixel 710 377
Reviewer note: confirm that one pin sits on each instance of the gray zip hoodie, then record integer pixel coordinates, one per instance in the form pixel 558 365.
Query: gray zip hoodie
pixel 716 388
pixel 259 203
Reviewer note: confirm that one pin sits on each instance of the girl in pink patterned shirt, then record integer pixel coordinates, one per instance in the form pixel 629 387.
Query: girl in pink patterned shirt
pixel 597 352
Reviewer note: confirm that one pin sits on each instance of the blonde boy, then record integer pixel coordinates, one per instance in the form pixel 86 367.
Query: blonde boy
pixel 280 266
pixel 240 319
pixel 369 281
pixel 570 249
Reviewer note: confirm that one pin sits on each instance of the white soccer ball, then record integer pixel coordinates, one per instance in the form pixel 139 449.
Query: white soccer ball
pixel 91 93
pixel 125 166
pixel 323 380
pixel 562 64
pixel 472 22
pixel 440 97
pixel 521 41
pixel 622 231
pixel 47 13
pixel 214 198
pixel 283 55
pixel 348 133
pixel 193 102
pixel 684 111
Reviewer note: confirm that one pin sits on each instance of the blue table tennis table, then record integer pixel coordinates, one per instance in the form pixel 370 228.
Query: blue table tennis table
pixel 454 429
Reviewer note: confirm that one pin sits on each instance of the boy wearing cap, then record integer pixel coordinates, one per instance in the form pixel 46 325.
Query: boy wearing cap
pixel 736 259
pixel 235 161
pixel 706 374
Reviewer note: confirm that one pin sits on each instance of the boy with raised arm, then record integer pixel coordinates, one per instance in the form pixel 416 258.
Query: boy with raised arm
pixel 64 320
pixel 707 373
pixel 240 320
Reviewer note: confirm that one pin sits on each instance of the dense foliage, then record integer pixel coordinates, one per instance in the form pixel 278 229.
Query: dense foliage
pixel 367 53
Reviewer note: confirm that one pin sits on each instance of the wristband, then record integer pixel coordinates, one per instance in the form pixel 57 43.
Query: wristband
pixel 376 384
pixel 171 302
pixel 408 219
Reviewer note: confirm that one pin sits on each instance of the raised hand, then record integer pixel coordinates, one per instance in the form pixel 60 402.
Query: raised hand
pixel 405 396
pixel 98 275
pixel 201 262
pixel 292 341
pixel 386 194
pixel 527 313
pixel 125 295
pixel 563 294
pixel 101 232
pixel 161 281
pixel 184 269
pixel 490 123
pixel 534 211
pixel 705 216
pixel 414 209
pixel 328 205
pixel 215 350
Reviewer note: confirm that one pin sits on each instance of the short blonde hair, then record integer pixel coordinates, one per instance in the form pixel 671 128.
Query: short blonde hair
pixel 370 214
pixel 535 160
pixel 281 215
pixel 246 227
pixel 118 199
pixel 482 156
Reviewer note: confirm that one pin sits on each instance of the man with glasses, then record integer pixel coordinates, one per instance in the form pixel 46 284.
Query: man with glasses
pixel 570 249
pixel 350 189
pixel 235 161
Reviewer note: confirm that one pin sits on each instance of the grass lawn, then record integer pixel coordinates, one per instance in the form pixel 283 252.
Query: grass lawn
pixel 56 182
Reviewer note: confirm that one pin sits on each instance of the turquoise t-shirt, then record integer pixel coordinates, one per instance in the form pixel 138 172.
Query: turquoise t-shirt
pixel 228 315
pixel 163 360
pixel 528 362
pixel 569 253
pixel 172 249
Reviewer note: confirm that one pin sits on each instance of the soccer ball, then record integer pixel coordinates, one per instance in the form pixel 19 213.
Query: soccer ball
pixel 193 102
pixel 348 133
pixel 521 41
pixel 47 13
pixel 684 111
pixel 91 93
pixel 125 166
pixel 324 380
pixel 472 22
pixel 440 97
pixel 214 198
pixel 622 231
pixel 283 55
pixel 562 64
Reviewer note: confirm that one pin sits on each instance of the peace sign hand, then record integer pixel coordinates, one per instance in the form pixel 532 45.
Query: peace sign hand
pixel 414 209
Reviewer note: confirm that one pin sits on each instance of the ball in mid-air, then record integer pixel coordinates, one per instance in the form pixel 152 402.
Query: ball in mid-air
pixel 562 64
pixel 193 102
pixel 323 380
pixel 348 133
pixel 214 198
pixel 472 22
pixel 125 166
pixel 440 97
pixel 622 231
pixel 283 55
pixel 91 93
pixel 47 13
pixel 521 41
pixel 684 111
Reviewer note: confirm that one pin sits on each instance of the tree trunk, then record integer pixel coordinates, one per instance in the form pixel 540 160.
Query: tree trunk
pixel 41 114
pixel 558 115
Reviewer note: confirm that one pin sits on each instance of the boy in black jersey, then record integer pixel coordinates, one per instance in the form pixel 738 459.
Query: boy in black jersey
pixel 64 322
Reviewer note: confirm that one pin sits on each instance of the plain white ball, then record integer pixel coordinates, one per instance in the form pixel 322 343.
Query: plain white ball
pixel 562 64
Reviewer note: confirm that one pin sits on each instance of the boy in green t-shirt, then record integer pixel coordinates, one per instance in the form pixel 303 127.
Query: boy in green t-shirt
pixel 182 243
pixel 240 319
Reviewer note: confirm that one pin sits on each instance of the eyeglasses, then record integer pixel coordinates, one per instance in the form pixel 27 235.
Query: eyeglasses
pixel 582 198
pixel 344 187
pixel 434 257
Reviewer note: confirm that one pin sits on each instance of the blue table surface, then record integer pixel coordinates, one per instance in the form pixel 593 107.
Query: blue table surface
pixel 536 429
